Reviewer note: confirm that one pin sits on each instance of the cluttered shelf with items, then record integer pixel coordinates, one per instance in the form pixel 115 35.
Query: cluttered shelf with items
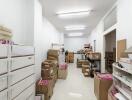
pixel 92 60
pixel 122 78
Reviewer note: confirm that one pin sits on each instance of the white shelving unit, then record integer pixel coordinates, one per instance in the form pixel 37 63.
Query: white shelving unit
pixel 17 77
pixel 123 80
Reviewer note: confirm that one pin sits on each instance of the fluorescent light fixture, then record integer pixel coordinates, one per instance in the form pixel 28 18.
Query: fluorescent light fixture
pixel 76 95
pixel 74 14
pixel 75 27
pixel 75 34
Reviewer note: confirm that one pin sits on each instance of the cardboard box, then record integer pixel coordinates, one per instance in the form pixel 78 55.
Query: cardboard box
pixel 62 73
pixel 101 87
pixel 46 89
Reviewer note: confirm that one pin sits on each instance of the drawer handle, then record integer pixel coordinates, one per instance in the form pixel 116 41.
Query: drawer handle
pixel 29 57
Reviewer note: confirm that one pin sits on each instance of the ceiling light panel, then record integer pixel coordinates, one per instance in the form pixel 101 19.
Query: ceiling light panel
pixel 73 13
pixel 75 34
pixel 75 27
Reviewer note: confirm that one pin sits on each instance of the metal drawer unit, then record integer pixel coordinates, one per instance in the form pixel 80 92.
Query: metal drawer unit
pixel 4 95
pixel 3 82
pixel 20 62
pixel 17 72
pixel 3 66
pixel 28 94
pixel 21 86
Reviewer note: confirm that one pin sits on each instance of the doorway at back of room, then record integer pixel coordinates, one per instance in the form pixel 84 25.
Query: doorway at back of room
pixel 110 50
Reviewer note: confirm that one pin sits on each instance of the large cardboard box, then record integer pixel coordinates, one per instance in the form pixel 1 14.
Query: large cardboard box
pixel 45 88
pixel 101 87
pixel 62 73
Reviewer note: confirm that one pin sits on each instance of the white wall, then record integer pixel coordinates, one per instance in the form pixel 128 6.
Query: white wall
pixel 18 15
pixel 74 44
pixel 124 30
pixel 45 34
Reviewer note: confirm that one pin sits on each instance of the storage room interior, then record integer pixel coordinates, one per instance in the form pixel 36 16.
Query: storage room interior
pixel 65 49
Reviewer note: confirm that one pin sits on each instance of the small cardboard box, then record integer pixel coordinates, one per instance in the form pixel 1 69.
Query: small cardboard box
pixel 101 87
pixel 62 73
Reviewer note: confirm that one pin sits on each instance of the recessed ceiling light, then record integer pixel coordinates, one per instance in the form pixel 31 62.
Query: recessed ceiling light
pixel 76 95
pixel 75 27
pixel 73 14
pixel 75 34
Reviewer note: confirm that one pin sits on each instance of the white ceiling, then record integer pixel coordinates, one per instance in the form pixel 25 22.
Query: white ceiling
pixel 100 7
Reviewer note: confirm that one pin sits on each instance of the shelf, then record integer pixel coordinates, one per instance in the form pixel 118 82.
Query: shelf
pixel 124 92
pixel 124 81
pixel 123 69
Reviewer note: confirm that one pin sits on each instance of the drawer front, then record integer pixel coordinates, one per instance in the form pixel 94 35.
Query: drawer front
pixel 18 50
pixel 3 50
pixel 27 93
pixel 3 82
pixel 3 66
pixel 3 95
pixel 31 97
pixel 20 62
pixel 21 86
pixel 20 74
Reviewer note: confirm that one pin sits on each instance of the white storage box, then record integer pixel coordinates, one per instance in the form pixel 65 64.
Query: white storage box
pixel 21 86
pixel 3 50
pixel 3 82
pixel 19 75
pixel 3 95
pixel 26 94
pixel 3 66
pixel 20 62
pixel 20 50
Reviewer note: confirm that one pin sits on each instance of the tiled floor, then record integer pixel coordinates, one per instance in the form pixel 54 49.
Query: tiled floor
pixel 75 87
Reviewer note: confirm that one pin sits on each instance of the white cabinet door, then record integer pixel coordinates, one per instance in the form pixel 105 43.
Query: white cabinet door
pixel 21 86
pixel 26 94
pixel 20 74
pixel 3 50
pixel 4 95
pixel 20 62
pixel 3 66
pixel 18 50
pixel 3 82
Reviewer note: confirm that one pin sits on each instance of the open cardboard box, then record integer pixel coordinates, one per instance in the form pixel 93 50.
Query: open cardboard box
pixel 101 87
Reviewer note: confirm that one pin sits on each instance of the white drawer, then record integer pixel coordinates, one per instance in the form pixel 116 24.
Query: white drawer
pixel 20 74
pixel 27 93
pixel 3 66
pixel 4 95
pixel 31 97
pixel 18 50
pixel 21 86
pixel 3 50
pixel 20 62
pixel 3 82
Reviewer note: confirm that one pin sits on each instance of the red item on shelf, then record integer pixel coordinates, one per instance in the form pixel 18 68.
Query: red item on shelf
pixel 63 66
pixel 105 76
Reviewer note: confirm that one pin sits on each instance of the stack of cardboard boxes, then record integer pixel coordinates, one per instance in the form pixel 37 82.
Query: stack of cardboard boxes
pixel 71 57
pixel 53 54
pixel 86 70
pixel 49 78
pixel 81 62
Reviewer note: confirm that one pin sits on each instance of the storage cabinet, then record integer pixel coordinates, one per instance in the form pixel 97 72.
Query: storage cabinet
pixel 3 51
pixel 17 72
pixel 3 66
pixel 3 82
pixel 22 50
pixel 4 95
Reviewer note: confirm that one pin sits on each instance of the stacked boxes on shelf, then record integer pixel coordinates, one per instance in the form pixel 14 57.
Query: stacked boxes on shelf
pixel 86 70
pixel 81 62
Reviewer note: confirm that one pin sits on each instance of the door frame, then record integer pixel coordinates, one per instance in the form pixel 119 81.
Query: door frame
pixel 114 27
